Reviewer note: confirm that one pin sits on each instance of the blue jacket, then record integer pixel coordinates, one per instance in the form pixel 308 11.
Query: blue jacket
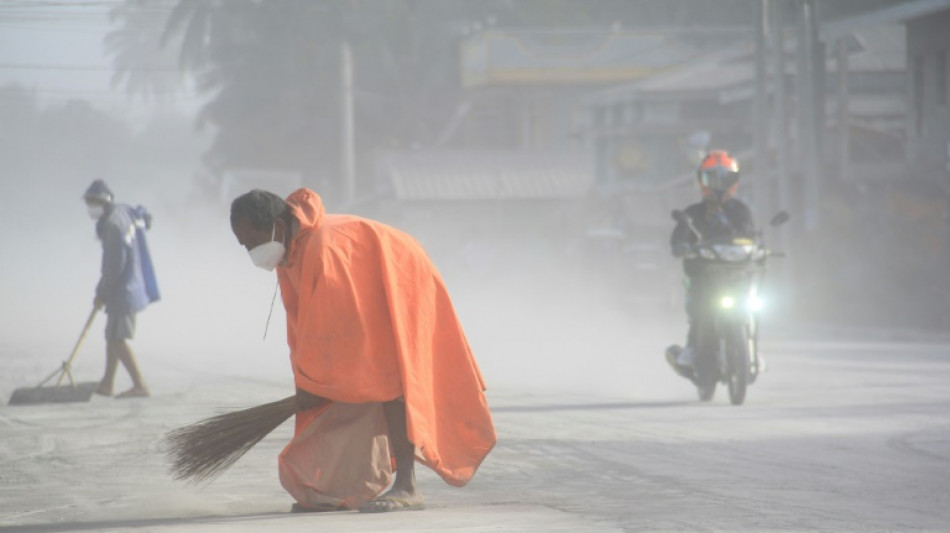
pixel 128 281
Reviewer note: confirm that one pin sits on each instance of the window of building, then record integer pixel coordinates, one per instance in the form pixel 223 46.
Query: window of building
pixel 941 77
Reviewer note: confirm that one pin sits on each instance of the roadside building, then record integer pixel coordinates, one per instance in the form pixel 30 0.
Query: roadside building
pixel 515 158
pixel 928 53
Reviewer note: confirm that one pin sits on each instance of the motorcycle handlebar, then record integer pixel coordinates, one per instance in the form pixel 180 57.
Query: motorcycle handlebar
pixel 691 251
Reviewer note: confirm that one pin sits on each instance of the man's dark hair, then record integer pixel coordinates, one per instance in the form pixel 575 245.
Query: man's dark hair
pixel 260 207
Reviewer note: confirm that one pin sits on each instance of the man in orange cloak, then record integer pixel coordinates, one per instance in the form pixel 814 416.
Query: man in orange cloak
pixel 382 367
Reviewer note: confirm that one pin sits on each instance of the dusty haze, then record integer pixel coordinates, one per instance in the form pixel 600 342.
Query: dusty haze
pixel 531 326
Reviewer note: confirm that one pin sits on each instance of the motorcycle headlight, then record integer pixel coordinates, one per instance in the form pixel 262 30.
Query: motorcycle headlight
pixel 727 302
pixel 755 303
pixel 734 252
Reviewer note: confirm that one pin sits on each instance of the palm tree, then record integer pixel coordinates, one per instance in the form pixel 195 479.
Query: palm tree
pixel 141 63
pixel 271 70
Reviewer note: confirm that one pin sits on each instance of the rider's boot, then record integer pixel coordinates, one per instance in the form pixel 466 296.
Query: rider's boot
pixel 681 360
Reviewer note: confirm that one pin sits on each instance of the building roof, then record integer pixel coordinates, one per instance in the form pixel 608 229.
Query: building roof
pixel 882 47
pixel 898 13
pixel 512 57
pixel 485 175
pixel 720 70
pixel 714 75
pixel 729 73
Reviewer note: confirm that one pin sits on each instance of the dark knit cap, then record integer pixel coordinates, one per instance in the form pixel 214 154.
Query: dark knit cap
pixel 98 191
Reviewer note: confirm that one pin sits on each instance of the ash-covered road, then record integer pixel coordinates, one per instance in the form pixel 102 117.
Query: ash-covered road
pixel 839 435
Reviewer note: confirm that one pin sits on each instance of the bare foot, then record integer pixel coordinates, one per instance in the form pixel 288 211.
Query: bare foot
pixel 134 392
pixel 394 500
pixel 103 390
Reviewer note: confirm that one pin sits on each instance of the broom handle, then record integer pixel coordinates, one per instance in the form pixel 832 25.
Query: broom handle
pixel 67 365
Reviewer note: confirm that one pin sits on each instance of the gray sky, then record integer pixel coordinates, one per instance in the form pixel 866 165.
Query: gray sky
pixel 56 48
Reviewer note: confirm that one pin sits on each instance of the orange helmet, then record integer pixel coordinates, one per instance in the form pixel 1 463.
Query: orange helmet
pixel 718 174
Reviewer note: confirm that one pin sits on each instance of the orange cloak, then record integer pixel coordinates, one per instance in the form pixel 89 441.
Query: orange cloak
pixel 369 320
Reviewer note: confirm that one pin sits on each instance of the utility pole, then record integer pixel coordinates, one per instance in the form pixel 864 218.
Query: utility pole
pixel 810 114
pixel 781 118
pixel 763 188
pixel 348 159
pixel 842 100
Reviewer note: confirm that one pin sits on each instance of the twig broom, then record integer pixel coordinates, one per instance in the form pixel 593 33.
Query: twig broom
pixel 202 451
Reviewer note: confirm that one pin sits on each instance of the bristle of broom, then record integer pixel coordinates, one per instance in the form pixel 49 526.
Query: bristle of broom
pixel 202 451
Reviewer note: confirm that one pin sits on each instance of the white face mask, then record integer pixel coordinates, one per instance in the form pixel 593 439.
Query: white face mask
pixel 96 211
pixel 269 254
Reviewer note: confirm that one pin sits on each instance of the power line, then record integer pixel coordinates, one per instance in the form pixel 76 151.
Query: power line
pixel 20 4
pixel 91 31
pixel 90 68
pixel 81 9
pixel 116 98
pixel 102 91
pixel 72 25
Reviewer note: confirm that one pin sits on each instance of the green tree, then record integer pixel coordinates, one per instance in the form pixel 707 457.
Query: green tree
pixel 141 63
pixel 271 71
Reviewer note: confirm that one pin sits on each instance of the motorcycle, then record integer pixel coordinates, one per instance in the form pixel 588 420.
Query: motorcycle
pixel 727 339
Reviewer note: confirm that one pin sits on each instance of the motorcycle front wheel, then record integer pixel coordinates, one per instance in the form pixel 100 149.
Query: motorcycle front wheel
pixel 706 390
pixel 737 350
pixel 707 361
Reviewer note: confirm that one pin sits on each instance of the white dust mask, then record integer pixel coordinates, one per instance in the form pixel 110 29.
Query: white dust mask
pixel 96 211
pixel 269 254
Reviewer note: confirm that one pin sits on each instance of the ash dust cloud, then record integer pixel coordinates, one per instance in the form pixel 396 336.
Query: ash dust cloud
pixel 565 287
pixel 539 317
pixel 214 304
pixel 549 310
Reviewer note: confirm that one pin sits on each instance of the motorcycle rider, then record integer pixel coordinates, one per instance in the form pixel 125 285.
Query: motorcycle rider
pixel 719 216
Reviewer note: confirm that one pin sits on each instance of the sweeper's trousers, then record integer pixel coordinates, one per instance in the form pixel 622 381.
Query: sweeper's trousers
pixel 339 456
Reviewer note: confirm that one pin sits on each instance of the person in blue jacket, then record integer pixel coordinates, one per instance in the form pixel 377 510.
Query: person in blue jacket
pixel 127 284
